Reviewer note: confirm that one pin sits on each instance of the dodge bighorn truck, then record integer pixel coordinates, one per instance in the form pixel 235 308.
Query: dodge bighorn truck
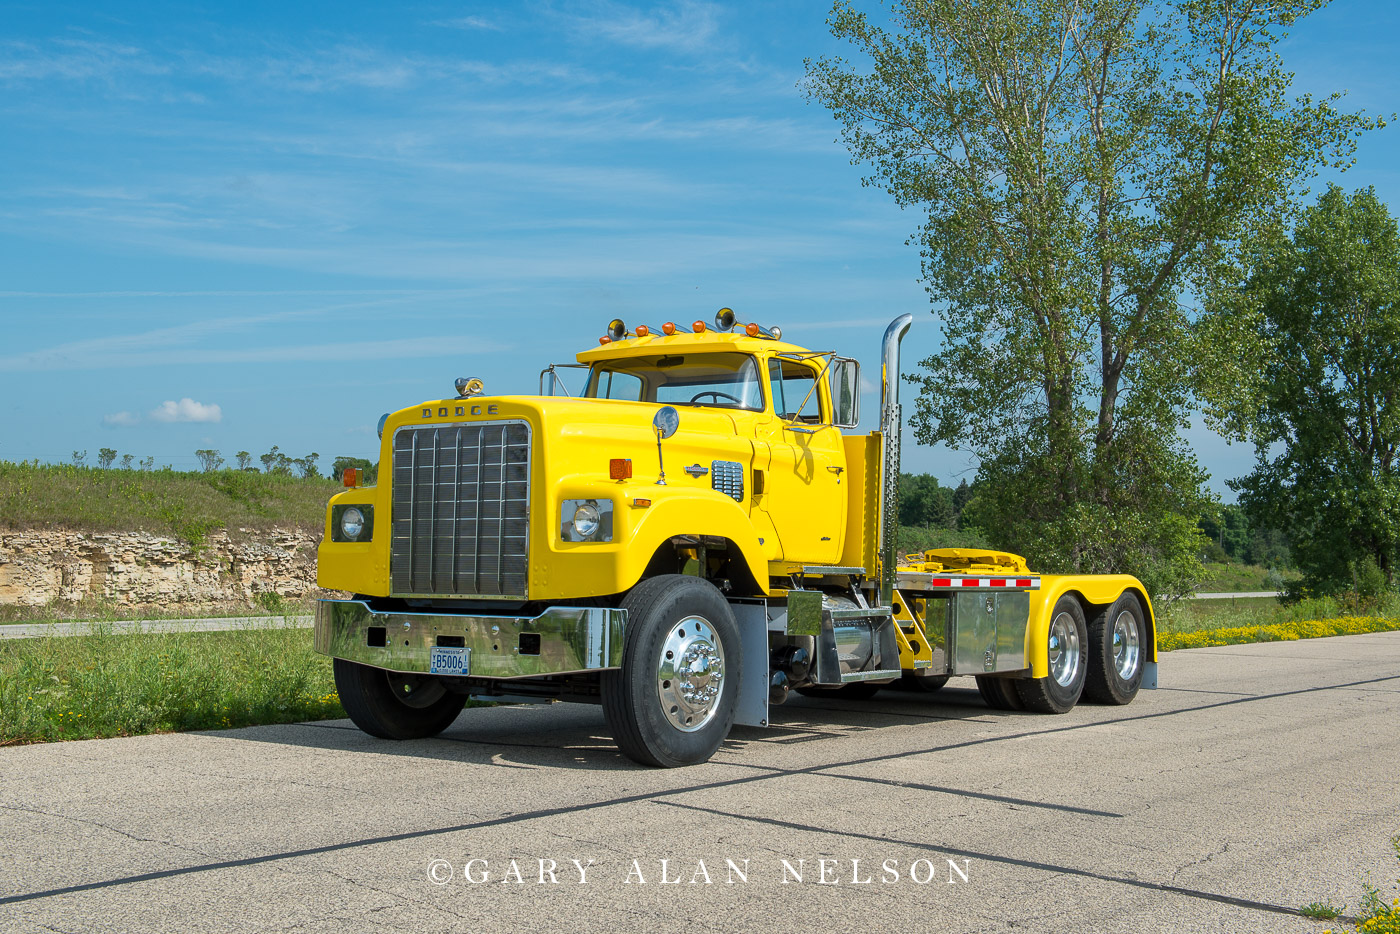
pixel 693 535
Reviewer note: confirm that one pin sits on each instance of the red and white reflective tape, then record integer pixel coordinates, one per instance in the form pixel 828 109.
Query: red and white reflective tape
pixel 1020 583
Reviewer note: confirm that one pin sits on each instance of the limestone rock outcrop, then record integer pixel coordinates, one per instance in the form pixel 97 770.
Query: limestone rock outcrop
pixel 139 570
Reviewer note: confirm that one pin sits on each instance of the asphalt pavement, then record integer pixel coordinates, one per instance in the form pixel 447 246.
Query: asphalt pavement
pixel 1258 779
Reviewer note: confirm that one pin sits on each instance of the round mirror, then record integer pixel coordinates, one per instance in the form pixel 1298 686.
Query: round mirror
pixel 667 420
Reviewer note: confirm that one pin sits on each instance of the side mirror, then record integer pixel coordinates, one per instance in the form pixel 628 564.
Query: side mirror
pixel 845 391
pixel 666 422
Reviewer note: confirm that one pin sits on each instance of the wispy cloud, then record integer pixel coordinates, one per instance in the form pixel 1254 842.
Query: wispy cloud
pixel 686 26
pixel 470 23
pixel 187 410
pixel 74 60
pixel 120 419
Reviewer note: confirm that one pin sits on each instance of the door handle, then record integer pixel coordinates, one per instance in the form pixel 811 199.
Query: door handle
pixel 835 470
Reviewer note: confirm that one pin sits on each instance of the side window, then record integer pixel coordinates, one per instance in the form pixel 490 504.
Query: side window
pixel 794 385
pixel 615 384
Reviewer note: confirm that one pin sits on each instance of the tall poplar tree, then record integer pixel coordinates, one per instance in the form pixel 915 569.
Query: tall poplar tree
pixel 1089 171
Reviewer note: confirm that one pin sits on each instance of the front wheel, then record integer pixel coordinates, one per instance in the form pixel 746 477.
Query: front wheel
pixel 1065 648
pixel 673 700
pixel 392 705
pixel 1117 649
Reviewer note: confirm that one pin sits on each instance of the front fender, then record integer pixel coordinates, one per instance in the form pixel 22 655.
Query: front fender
pixel 694 512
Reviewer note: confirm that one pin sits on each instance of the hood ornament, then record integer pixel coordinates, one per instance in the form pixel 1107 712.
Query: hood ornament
pixel 466 388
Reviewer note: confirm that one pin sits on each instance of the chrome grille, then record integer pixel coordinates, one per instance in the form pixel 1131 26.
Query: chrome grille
pixel 728 477
pixel 461 510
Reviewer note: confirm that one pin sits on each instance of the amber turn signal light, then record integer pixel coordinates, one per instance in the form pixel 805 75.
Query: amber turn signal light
pixel 620 468
pixel 350 477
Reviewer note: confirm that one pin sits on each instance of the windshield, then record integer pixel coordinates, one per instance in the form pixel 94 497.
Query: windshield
pixel 721 380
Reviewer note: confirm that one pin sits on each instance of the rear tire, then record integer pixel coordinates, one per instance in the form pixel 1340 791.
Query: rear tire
pixel 1067 659
pixel 1117 652
pixel 999 693
pixel 391 705
pixel 673 700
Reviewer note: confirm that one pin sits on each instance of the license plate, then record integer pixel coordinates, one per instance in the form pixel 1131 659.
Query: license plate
pixel 449 661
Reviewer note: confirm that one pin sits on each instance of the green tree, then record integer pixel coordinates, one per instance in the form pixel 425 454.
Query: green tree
pixel 306 466
pixel 209 460
pixel 105 457
pixel 245 460
pixel 1088 172
pixel 370 468
pixel 1328 443
pixel 924 502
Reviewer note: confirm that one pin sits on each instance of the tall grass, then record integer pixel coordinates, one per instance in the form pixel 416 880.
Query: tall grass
pixel 186 504
pixel 1183 616
pixel 103 684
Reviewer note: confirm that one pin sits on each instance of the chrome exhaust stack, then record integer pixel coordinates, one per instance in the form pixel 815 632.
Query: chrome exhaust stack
pixel 889 461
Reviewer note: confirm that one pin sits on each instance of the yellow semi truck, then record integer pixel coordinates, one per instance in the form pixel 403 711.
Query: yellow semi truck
pixel 684 542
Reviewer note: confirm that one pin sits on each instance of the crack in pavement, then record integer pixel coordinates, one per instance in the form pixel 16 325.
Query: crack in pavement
pixel 706 786
pixel 1007 861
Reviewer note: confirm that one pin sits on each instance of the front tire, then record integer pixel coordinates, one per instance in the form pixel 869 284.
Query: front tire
pixel 391 705
pixel 673 700
pixel 1117 652
pixel 1066 646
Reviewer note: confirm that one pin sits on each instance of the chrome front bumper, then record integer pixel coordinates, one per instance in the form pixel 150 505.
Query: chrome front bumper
pixel 561 640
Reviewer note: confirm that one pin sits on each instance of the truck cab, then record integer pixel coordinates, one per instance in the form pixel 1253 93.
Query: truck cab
pixel 693 535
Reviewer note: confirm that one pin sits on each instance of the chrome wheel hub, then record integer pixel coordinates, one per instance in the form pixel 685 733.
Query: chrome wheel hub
pixel 1064 650
pixel 1127 646
pixel 690 674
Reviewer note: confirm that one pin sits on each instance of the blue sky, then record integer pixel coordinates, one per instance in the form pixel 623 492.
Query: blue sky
pixel 309 214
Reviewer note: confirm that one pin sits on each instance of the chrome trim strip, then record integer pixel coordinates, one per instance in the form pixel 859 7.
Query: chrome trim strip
pixel 572 639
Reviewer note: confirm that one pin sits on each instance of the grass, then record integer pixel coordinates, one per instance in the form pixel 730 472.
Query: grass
pixel 1236 578
pixel 101 684
pixel 1321 911
pixel 1277 632
pixel 98 611
pixel 1375 917
pixel 186 504
pixel 1184 616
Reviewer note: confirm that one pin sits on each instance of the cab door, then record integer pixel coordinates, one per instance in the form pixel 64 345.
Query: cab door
pixel 804 487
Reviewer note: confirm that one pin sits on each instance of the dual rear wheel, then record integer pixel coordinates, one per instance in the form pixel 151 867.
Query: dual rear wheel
pixel 1101 659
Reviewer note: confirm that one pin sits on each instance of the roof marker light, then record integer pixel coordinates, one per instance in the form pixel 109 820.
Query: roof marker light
pixel 643 330
pixel 698 327
pixel 605 339
pixel 668 328
pixel 751 330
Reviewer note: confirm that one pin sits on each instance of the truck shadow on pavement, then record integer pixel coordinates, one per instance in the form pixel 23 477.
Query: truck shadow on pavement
pixel 565 736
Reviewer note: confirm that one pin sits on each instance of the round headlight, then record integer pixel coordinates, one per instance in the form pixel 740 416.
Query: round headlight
pixel 586 520
pixel 352 523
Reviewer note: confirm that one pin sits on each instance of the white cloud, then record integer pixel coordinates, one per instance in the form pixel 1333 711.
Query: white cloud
pixel 121 419
pixel 688 25
pixel 470 22
pixel 186 410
